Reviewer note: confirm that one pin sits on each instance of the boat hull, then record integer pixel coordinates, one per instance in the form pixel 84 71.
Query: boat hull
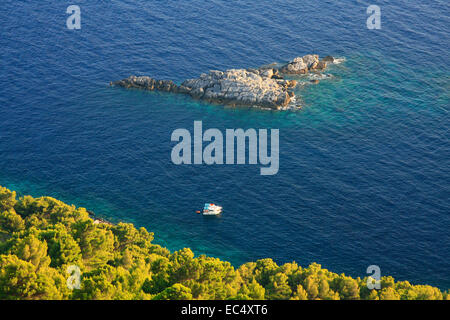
pixel 212 213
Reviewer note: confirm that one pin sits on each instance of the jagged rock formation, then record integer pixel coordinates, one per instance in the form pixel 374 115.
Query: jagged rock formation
pixel 240 86
pixel 302 65
pixel 263 87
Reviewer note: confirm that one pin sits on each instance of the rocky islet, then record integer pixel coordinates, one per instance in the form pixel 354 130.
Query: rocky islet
pixel 263 87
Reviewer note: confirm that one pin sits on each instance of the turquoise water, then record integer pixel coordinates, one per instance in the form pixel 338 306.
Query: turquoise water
pixel 364 166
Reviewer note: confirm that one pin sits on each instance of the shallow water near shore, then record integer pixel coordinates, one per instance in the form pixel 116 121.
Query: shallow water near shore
pixel 364 165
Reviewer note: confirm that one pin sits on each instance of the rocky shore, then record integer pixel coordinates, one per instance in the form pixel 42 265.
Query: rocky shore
pixel 263 87
pixel 98 220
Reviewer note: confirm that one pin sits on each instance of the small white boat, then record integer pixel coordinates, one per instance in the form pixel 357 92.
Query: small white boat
pixel 211 209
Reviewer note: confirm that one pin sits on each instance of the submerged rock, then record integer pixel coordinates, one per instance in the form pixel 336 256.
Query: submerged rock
pixel 263 87
pixel 328 59
pixel 144 82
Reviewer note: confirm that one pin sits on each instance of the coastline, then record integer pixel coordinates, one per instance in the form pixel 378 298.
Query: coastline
pixel 32 218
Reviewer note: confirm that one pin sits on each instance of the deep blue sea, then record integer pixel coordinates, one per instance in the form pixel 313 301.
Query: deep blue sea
pixel 364 173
